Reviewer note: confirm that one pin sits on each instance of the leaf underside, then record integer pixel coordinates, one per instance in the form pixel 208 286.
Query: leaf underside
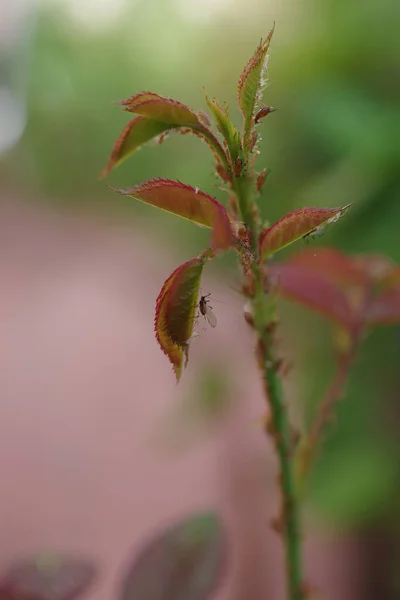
pixel 187 202
pixel 226 128
pixel 176 309
pixel 134 135
pixel 158 116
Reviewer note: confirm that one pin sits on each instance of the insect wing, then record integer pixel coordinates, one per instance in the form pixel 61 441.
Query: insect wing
pixel 210 317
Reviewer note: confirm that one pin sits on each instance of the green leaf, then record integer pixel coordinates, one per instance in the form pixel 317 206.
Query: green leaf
pixel 187 202
pixel 184 562
pixel 296 225
pixel 176 309
pixel 226 128
pixel 250 85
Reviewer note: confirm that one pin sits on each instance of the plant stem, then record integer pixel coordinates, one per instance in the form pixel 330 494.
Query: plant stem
pixel 264 323
pixel 324 410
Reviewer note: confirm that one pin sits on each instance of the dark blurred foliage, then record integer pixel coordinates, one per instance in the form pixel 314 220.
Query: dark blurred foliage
pixel 183 561
pixel 47 576
pixel 333 76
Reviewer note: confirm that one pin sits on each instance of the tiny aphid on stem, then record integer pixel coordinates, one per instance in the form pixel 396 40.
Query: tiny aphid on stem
pixel 207 311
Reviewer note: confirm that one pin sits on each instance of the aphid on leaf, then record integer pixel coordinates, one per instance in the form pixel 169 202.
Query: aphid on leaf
pixel 207 311
pixel 316 232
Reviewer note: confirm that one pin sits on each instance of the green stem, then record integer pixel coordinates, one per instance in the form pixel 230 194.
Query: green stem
pixel 265 321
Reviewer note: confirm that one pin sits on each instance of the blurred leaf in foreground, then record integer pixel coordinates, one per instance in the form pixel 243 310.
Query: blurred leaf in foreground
pixel 47 576
pixel 184 562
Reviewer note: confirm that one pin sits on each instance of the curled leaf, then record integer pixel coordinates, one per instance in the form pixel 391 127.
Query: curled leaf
pixel 176 309
pixel 146 95
pixel 136 133
pixel 187 202
pixel 158 108
pixel 204 118
pixel 250 85
pixel 296 225
pixel 158 116
pixel 226 128
pixel 184 562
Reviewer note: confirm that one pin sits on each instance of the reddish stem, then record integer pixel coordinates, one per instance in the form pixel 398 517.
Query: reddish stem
pixel 324 413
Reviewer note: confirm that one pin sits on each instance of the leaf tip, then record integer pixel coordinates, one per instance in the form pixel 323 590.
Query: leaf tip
pixel 104 172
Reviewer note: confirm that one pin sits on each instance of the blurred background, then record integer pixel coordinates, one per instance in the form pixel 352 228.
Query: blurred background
pixel 97 443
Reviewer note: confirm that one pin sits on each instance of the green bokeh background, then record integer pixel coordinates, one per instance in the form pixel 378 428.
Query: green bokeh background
pixel 335 139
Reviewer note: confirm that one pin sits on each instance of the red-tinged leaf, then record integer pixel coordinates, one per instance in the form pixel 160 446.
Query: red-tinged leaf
pixel 223 173
pixel 158 116
pixel 314 290
pixel 176 309
pixel 384 309
pixel 370 271
pixel 136 133
pixel 263 112
pixel 380 270
pixel 184 562
pixel 392 278
pixel 222 236
pixel 144 129
pixel 47 577
pixel 218 151
pixel 340 268
pixel 226 128
pixel 166 110
pixel 261 177
pixel 296 225
pixel 250 85
pixel 187 202
pixel 204 119
pixel 370 284
pixel 146 95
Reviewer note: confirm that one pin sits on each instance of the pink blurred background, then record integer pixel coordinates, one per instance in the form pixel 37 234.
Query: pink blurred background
pixel 99 448
pixel 95 455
